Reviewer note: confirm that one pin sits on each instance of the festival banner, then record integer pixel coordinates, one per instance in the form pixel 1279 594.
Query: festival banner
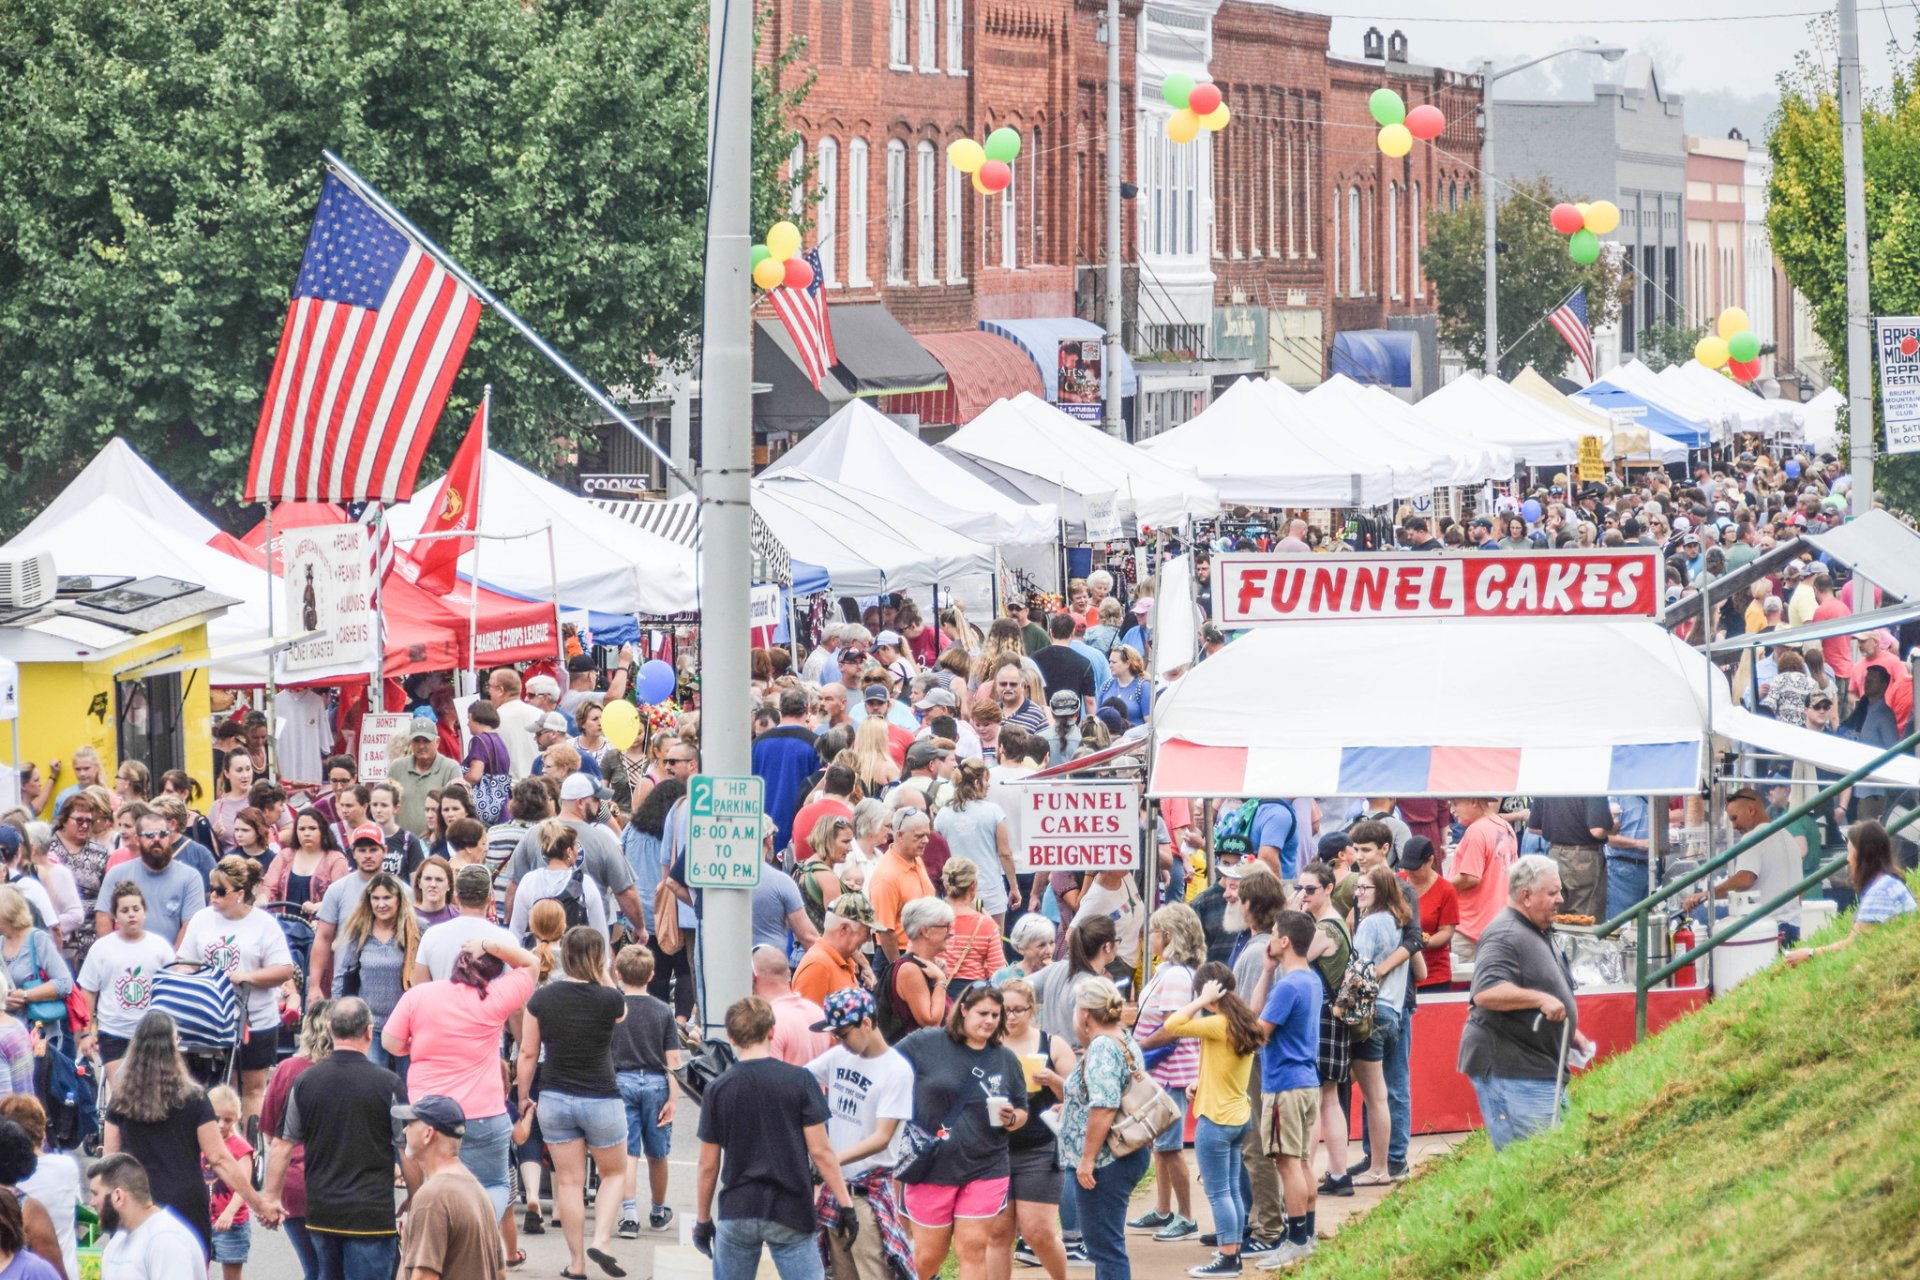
pixel 1252 590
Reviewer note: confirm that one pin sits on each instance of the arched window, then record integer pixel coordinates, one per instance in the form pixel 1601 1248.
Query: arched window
pixel 857 213
pixel 1009 226
pixel 1413 242
pixel 826 221
pixel 956 243
pixel 1339 285
pixel 923 201
pixel 796 186
pixel 1393 239
pixel 1036 227
pixel 896 212
pixel 1356 271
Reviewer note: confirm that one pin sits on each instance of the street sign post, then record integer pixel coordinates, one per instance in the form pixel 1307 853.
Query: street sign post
pixel 726 817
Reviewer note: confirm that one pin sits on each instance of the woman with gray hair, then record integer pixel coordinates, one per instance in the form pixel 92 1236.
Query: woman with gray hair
pixel 872 828
pixel 917 983
pixel 1032 936
pixel 1177 939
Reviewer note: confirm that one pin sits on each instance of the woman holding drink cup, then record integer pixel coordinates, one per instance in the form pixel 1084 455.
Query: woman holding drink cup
pixel 969 1087
pixel 1033 1153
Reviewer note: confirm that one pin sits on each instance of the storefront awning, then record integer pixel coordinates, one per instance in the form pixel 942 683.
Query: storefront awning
pixel 878 356
pixel 791 403
pixel 981 368
pixel 1375 357
pixel 1040 337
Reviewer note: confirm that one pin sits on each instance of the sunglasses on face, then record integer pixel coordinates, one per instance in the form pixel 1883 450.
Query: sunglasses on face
pixel 153 835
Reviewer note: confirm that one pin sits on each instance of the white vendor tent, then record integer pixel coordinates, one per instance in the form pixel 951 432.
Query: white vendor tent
pixel 1747 411
pixel 122 475
pixel 1642 383
pixel 1418 467
pixel 1820 420
pixel 1253 447
pixel 1633 441
pixel 597 561
pixel 1484 409
pixel 863 449
pixel 867 543
pixel 1047 455
pixel 1461 460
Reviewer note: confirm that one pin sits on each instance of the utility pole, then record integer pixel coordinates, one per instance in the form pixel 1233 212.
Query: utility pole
pixel 1490 206
pixel 1115 425
pixel 726 446
pixel 1860 432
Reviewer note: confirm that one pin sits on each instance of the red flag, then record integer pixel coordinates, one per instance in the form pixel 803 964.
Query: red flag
pixel 455 510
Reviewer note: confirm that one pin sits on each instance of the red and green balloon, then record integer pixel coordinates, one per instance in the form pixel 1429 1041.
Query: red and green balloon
pixel 1733 346
pixel 1196 107
pixel 1401 128
pixel 1583 224
pixel 777 264
pixel 990 166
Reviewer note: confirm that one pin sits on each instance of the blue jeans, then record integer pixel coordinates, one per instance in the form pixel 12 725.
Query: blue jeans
pixel 644 1093
pixel 736 1250
pixel 303 1247
pixel 1626 884
pixel 377 1054
pixel 484 1152
pixel 1217 1150
pixel 1103 1213
pixel 1513 1108
pixel 355 1257
pixel 1399 1090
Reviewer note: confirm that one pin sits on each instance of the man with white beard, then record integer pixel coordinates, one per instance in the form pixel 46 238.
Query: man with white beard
pixel 1218 906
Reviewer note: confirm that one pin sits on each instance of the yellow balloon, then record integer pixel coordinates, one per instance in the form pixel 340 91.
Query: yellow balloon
pixel 975 180
pixel 1602 216
pixel 783 240
pixel 1711 352
pixel 966 155
pixel 620 724
pixel 768 273
pixel 1184 126
pixel 1732 321
pixel 1216 121
pixel 1583 206
pixel 1396 140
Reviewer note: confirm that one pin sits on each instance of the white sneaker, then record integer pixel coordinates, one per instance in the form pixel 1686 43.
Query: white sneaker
pixel 1285 1255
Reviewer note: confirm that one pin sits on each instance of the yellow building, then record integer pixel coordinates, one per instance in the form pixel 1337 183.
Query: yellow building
pixel 123 670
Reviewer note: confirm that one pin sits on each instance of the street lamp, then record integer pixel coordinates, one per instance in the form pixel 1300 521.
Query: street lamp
pixel 1609 52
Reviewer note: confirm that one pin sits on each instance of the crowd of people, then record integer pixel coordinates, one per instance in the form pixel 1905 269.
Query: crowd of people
pixel 476 977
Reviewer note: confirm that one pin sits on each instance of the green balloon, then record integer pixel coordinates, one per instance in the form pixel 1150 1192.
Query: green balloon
pixel 1584 247
pixel 1387 107
pixel 760 254
pixel 1003 144
pixel 1176 89
pixel 1744 346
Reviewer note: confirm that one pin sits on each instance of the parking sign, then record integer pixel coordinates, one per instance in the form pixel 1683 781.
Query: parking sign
pixel 727 823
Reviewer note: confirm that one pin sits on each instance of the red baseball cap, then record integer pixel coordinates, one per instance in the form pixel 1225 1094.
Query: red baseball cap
pixel 370 833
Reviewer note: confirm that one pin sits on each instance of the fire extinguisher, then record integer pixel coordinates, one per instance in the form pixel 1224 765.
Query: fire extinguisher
pixel 1683 943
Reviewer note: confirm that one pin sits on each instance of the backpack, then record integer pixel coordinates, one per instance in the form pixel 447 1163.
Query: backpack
pixel 1236 836
pixel 573 897
pixel 1353 1002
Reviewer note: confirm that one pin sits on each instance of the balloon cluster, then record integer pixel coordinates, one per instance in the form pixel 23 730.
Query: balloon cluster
pixel 1733 346
pixel 776 263
pixel 1583 224
pixel 991 166
pixel 1399 126
pixel 1195 107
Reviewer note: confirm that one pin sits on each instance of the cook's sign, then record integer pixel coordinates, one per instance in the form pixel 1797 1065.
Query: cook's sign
pixel 1252 590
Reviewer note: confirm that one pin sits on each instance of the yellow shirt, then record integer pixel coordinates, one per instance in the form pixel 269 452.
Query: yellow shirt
pixel 1220 1094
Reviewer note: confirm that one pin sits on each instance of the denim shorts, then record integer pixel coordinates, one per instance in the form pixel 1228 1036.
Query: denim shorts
pixel 233 1244
pixel 565 1117
pixel 1175 1137
pixel 643 1093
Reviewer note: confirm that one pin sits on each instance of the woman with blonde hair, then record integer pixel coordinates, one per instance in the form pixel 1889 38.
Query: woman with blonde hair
pixel 378 946
pixel 956 630
pixel 973 941
pixel 1003 642
pixel 546 925
pixel 975 829
pixel 1129 685
pixel 1092 1102
pixel 1229 1034
pixel 1175 935
pixel 874 765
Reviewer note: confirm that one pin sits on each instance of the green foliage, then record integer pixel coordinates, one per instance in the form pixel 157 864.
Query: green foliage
pixel 1665 343
pixel 1535 275
pixel 1806 211
pixel 1766 1135
pixel 160 164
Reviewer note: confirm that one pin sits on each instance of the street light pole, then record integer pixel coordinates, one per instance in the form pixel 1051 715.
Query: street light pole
pixel 1860 337
pixel 1115 427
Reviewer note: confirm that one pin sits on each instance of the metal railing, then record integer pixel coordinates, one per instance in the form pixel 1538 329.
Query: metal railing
pixel 1641 911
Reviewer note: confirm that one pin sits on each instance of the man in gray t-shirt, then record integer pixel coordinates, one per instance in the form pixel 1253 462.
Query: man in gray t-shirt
pixel 778 908
pixel 580 801
pixel 173 890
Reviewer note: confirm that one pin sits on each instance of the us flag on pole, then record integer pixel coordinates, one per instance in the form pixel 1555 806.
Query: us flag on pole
pixel 804 312
pixel 374 336
pixel 1570 322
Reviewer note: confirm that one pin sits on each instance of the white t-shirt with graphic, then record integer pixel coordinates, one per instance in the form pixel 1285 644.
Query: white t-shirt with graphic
pixel 861 1092
pixel 121 975
pixel 255 941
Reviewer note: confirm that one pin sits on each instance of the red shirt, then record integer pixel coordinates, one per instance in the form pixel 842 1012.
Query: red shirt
pixel 1487 850
pixel 803 822
pixel 1439 906
pixel 1836 650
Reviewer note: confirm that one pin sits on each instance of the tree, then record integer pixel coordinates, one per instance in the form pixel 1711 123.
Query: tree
pixel 1806 220
pixel 160 165
pixel 1665 343
pixel 1535 277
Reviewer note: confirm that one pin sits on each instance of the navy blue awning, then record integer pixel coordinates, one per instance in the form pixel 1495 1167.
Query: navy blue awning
pixel 1375 357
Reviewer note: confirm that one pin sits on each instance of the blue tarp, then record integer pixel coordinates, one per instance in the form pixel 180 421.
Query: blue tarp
pixel 1040 337
pixel 1604 396
pixel 1375 357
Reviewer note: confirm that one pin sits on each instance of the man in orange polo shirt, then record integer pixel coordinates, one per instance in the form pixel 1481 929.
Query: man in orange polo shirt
pixel 898 878
pixel 834 962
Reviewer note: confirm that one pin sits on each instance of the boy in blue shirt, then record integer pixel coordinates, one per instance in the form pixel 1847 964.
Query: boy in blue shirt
pixel 1289 1080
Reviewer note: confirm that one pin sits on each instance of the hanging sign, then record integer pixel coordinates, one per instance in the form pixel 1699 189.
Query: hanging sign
pixel 377 749
pixel 1899 342
pixel 1102 516
pixel 1079 390
pixel 1077 826
pixel 328 589
pixel 1252 590
pixel 1593 465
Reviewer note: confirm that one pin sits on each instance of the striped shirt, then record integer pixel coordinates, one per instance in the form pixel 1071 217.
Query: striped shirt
pixel 1887 897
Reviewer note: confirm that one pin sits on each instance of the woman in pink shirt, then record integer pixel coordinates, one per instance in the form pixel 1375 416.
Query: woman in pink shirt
pixel 450 1031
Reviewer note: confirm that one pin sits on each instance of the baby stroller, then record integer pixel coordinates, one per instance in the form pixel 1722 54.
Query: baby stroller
pixel 209 1016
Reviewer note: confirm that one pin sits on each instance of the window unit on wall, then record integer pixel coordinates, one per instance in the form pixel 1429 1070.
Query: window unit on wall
pixel 1393 240
pixel 1413 242
pixel 929 36
pixel 956 239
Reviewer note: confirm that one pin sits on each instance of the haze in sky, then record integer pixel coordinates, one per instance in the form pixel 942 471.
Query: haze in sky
pixel 1723 55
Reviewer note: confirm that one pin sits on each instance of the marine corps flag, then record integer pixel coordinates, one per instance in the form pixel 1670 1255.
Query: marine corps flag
pixel 455 510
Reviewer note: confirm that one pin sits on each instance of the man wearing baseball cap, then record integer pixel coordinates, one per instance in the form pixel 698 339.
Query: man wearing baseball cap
pixel 581 800
pixel 367 849
pixel 835 963
pixel 869 1092
pixel 424 771
pixel 450 1228
pixel 1767 869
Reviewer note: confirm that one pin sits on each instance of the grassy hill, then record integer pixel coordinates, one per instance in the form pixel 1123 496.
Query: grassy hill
pixel 1773 1133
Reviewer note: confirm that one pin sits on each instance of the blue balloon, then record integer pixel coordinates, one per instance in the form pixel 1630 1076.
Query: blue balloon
pixel 1530 510
pixel 656 682
pixel 1793 468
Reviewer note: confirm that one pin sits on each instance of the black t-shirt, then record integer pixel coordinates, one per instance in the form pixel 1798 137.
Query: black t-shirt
pixel 169 1150
pixel 1570 819
pixel 1062 668
pixel 951 1085
pixel 341 1108
pixel 404 854
pixel 757 1113
pixel 576 1030
pixel 642 1042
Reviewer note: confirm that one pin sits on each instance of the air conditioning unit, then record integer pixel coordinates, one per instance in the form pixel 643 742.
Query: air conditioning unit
pixel 27 581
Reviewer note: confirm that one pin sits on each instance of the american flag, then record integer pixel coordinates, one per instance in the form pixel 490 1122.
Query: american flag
pixel 375 333
pixel 379 539
pixel 1569 320
pixel 804 312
